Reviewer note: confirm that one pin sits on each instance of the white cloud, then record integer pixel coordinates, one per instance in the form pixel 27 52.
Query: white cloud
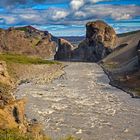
pixel 80 14
pixel 8 19
pixel 76 4
pixel 110 11
pixel 59 15
pixel 95 1
pixel 68 16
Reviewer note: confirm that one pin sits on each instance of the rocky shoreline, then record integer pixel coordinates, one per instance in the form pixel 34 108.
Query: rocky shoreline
pixel 117 85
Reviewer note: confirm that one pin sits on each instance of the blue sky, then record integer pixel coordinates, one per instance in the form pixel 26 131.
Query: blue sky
pixel 68 17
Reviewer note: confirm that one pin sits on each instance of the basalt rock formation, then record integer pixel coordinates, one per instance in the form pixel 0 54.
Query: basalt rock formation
pixel 64 50
pixel 27 40
pixel 100 41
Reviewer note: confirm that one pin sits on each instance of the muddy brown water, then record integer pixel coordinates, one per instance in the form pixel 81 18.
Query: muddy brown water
pixel 83 104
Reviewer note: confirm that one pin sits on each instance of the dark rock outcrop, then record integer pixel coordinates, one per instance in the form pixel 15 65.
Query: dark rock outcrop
pixel 100 41
pixel 100 32
pixel 138 53
pixel 64 50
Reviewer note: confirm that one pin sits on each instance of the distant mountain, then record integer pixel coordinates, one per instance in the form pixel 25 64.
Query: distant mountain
pixel 73 38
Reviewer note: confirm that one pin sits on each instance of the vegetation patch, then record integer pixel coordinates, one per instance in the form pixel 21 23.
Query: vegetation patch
pixel 22 29
pixel 23 59
pixel 111 65
pixel 14 134
pixel 137 90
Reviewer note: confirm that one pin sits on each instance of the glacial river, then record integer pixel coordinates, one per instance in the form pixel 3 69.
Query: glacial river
pixel 83 104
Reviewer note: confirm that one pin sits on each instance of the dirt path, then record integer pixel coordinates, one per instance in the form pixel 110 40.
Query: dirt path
pixel 82 103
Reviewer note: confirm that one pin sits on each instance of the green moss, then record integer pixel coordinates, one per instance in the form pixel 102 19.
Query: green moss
pixel 137 90
pixel 13 134
pixel 22 29
pixel 22 59
pixel 112 65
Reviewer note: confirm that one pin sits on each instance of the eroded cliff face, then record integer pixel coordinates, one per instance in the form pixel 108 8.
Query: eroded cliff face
pixel 100 32
pixel 100 41
pixel 11 110
pixel 27 40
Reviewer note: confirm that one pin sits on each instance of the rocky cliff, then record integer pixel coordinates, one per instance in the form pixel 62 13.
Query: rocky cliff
pixel 11 110
pixel 100 41
pixel 13 123
pixel 27 40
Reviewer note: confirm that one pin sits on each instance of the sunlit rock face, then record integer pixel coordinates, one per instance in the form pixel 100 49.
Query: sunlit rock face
pixel 100 41
pixel 100 32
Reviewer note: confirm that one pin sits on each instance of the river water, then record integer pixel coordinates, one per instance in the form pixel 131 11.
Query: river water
pixel 83 104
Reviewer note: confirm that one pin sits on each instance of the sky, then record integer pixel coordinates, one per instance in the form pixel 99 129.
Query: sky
pixel 68 17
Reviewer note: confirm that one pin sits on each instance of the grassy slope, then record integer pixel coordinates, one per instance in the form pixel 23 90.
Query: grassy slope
pixel 22 59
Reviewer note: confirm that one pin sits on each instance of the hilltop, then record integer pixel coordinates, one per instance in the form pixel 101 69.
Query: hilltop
pixel 29 41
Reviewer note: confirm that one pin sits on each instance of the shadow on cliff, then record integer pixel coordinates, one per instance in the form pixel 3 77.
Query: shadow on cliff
pixel 99 42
